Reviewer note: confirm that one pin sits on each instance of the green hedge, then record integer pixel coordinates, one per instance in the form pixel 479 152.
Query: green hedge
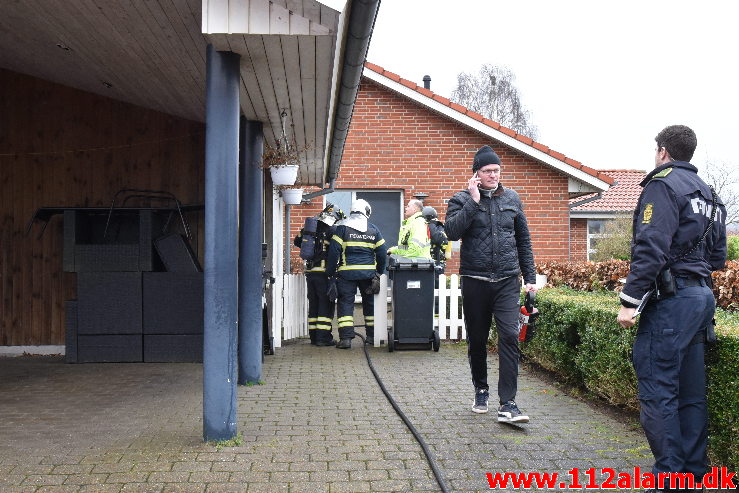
pixel 732 246
pixel 578 338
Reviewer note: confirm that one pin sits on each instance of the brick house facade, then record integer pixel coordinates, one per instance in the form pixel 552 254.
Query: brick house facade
pixel 406 139
pixel 590 213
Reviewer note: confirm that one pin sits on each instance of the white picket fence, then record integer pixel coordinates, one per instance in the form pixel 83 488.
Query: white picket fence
pixel 294 309
pixel 451 325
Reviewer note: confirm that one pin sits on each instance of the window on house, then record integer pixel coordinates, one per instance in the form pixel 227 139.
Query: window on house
pixel 596 231
pixel 387 209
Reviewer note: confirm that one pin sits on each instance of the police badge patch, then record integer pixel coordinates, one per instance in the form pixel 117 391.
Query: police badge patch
pixel 647 215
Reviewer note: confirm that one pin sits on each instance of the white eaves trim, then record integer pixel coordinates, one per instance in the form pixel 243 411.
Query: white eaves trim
pixel 445 110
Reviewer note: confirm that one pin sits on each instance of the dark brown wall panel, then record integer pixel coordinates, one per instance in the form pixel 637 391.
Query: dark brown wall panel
pixel 64 147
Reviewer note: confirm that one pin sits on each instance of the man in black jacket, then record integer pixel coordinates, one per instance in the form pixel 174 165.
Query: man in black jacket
pixel 496 251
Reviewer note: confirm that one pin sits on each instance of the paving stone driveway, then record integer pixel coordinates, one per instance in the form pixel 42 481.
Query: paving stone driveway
pixel 319 424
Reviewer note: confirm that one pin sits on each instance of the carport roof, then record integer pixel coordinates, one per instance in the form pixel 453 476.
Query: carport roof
pixel 152 54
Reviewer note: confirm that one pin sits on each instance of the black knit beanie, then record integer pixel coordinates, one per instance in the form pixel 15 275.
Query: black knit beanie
pixel 486 155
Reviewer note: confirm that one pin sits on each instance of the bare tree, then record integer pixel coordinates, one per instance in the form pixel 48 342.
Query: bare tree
pixel 492 93
pixel 725 180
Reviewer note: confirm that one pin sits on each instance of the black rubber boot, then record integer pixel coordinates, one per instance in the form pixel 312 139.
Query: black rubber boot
pixel 344 344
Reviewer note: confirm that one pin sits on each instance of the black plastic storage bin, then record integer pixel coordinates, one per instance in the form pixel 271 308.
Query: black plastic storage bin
pixel 412 285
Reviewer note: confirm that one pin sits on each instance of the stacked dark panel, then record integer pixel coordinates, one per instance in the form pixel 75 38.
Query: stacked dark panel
pixel 127 311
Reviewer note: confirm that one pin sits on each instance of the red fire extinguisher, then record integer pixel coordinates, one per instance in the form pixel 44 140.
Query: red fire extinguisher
pixel 527 318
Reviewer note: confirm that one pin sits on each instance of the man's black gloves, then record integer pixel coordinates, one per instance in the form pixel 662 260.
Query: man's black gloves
pixel 332 291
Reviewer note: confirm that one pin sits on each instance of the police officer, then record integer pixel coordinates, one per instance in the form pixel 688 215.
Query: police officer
pixel 413 237
pixel 356 258
pixel 320 307
pixel 674 212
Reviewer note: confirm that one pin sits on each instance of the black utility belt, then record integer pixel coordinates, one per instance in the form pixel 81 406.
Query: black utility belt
pixel 667 284
pixel 693 281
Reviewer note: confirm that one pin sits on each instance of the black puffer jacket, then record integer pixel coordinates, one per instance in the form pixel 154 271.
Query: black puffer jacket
pixel 495 235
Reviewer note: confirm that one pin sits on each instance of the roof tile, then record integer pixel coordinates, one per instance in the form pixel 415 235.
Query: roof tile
pixel 557 155
pixel 621 197
pixel 491 123
pixel 475 116
pixel 507 131
pixel 541 147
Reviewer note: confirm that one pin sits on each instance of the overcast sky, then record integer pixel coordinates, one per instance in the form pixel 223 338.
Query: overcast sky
pixel 600 79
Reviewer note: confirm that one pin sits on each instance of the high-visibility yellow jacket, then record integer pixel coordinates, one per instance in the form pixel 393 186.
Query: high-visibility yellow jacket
pixel 413 238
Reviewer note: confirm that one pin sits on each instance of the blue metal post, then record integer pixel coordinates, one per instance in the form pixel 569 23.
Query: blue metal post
pixel 250 253
pixel 221 244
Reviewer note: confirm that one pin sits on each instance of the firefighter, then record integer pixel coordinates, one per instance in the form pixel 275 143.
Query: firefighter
pixel 320 308
pixel 413 237
pixel 356 258
pixel 440 246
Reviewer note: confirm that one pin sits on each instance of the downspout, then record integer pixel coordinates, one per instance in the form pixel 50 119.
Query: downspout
pixel 359 31
pixel 287 239
pixel 323 191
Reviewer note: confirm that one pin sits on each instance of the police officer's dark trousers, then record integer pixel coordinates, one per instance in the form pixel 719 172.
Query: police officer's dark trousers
pixel 345 308
pixel 669 363
pixel 320 309
pixel 481 301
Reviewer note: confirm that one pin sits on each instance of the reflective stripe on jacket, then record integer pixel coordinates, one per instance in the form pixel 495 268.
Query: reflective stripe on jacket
pixel 356 255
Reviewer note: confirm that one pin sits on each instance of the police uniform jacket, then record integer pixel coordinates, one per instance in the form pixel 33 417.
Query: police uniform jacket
pixel 356 255
pixel 673 211
pixel 496 243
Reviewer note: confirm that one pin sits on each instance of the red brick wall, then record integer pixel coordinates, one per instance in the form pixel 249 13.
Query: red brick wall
pixel 395 144
pixel 578 239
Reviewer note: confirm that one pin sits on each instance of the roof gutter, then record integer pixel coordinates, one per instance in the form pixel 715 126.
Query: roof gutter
pixel 362 17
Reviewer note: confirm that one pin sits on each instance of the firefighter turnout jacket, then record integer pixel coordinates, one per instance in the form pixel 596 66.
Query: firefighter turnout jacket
pixel 673 211
pixel 356 255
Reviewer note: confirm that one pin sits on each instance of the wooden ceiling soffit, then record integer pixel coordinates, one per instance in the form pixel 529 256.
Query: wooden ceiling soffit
pixel 292 17
pixel 287 49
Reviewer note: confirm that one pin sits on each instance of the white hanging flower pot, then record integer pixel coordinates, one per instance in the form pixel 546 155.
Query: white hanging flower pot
pixel 292 196
pixel 286 174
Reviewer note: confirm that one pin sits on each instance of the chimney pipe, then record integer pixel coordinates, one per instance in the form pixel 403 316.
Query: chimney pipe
pixel 427 82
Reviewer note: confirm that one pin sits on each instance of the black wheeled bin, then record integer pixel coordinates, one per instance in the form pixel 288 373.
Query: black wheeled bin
pixel 412 285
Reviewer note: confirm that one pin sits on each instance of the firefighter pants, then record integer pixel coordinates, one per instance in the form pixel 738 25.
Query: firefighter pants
pixel 669 363
pixel 345 309
pixel 320 309
pixel 481 301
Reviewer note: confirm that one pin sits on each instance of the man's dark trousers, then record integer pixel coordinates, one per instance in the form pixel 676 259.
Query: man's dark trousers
pixel 320 308
pixel 481 301
pixel 669 364
pixel 345 308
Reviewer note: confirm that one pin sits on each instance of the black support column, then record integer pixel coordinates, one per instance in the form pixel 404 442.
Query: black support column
pixel 221 245
pixel 250 253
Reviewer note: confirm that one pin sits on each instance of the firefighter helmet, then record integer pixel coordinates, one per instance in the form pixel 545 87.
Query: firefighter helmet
pixel 429 213
pixel 363 207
